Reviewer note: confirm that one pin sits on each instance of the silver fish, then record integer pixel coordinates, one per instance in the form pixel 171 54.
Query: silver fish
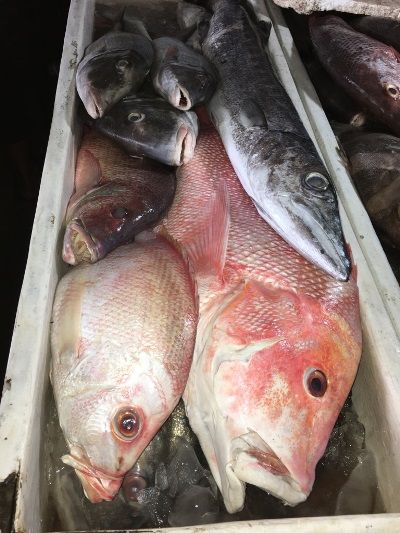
pixel 267 144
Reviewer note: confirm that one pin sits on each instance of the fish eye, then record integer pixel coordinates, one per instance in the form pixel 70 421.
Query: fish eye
pixel 392 90
pixel 126 424
pixel 132 484
pixel 119 212
pixel 135 117
pixel 316 182
pixel 122 64
pixel 316 382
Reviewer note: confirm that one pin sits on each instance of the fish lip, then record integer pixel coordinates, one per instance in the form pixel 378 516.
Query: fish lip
pixel 255 462
pixel 97 485
pixel 69 254
pixel 180 94
pixel 185 144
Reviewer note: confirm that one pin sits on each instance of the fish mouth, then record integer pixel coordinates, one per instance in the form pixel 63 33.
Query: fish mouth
pixel 93 104
pixel 181 99
pixel 78 246
pixel 185 144
pixel 255 462
pixel 97 486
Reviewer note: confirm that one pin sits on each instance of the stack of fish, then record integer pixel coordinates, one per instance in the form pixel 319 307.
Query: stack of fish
pixel 241 299
pixel 358 81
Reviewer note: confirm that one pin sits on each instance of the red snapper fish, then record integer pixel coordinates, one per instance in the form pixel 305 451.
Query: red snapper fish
pixel 278 341
pixel 122 340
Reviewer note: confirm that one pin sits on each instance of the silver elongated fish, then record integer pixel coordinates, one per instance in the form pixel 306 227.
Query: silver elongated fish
pixel 267 144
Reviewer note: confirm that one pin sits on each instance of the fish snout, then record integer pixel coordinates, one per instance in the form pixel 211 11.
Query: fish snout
pixel 255 462
pixel 78 246
pixel 185 145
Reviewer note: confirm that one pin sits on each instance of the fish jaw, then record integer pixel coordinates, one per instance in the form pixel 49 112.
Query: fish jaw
pixel 78 245
pixel 256 463
pixel 97 486
pixel 186 140
pixel 316 238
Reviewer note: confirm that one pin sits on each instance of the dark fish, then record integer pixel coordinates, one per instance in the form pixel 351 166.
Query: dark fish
pixel 159 17
pixel 335 101
pixel 113 66
pixel 181 75
pixel 368 70
pixel 149 126
pixel 267 144
pixel 380 28
pixel 375 169
pixel 198 19
pixel 116 197
pixel 107 18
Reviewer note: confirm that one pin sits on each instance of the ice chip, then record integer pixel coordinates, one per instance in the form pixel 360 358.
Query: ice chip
pixel 195 505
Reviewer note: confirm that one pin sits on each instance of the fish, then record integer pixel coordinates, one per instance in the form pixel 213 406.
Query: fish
pixel 113 66
pixel 382 29
pixel 278 340
pixel 270 150
pixel 159 17
pixel 122 339
pixel 375 169
pixel 368 70
pixel 149 126
pixel 197 18
pixel 181 75
pixel 336 103
pixel 116 197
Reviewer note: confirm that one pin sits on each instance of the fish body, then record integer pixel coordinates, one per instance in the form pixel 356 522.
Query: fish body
pixel 278 341
pixel 116 197
pixel 368 70
pixel 181 75
pixel 375 169
pixel 148 126
pixel 382 29
pixel 159 17
pixel 122 340
pixel 113 66
pixel 267 144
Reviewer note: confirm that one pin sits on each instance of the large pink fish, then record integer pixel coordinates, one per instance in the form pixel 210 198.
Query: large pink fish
pixel 278 341
pixel 122 341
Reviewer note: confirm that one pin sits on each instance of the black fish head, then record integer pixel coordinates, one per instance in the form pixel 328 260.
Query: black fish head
pixel 185 86
pixel 113 214
pixel 299 193
pixel 150 127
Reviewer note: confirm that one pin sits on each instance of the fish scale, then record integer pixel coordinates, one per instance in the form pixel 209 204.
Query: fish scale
pixel 267 318
pixel 122 337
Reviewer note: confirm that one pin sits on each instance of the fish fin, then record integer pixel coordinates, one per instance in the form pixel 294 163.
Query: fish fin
pixel 208 253
pixel 251 115
pixel 87 176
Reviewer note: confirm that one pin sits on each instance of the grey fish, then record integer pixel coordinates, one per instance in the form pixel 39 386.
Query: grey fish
pixel 197 18
pixel 181 75
pixel 268 145
pixel 149 126
pixel 375 169
pixel 159 17
pixel 380 28
pixel 112 67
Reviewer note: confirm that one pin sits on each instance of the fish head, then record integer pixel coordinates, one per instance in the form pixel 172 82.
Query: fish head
pixel 111 215
pixel 298 191
pixel 281 367
pixel 113 70
pixel 151 127
pixel 107 429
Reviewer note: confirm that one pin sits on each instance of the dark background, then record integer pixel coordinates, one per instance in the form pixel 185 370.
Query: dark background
pixel 31 40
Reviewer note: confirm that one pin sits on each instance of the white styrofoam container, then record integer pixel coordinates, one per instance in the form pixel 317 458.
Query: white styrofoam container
pixel 376 393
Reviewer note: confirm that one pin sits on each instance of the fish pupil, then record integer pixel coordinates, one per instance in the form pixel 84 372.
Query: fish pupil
pixel 119 212
pixel 126 424
pixel 317 383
